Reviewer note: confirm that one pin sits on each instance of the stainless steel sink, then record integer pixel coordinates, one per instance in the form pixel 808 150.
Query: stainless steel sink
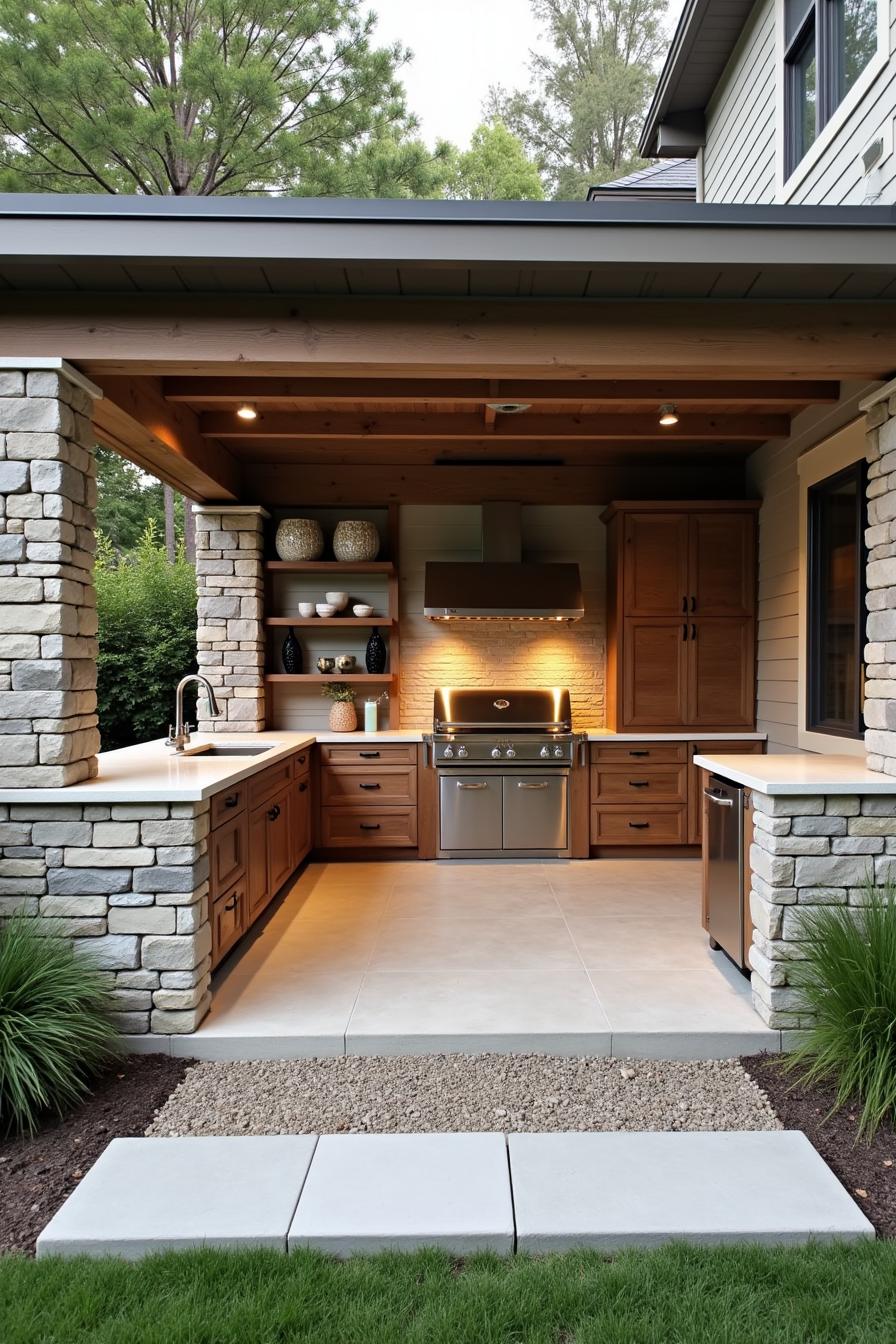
pixel 223 750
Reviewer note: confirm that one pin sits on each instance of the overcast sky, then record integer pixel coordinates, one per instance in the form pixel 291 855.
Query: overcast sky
pixel 460 48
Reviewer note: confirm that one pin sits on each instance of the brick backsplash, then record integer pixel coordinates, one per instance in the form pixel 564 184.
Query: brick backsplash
pixel 503 653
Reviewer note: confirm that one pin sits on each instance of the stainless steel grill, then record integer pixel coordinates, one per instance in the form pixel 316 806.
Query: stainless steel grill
pixel 503 759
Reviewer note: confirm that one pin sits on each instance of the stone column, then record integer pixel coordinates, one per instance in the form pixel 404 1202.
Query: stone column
pixel 806 852
pixel 230 634
pixel 48 723
pixel 880 538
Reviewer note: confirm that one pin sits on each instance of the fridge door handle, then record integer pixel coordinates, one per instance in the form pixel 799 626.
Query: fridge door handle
pixel 718 798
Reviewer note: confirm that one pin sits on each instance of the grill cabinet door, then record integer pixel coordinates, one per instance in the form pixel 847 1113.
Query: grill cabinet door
pixel 536 811
pixel 470 811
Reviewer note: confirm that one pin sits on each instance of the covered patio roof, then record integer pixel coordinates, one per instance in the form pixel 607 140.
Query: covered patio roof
pixel 375 338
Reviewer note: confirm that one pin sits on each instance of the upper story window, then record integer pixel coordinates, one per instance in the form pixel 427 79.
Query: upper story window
pixel 836 603
pixel 827 45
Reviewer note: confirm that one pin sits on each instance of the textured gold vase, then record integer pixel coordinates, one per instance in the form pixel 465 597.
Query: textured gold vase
pixel 343 718
pixel 299 539
pixel 356 540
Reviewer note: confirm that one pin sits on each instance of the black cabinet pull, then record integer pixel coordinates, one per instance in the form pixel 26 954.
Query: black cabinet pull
pixel 303 786
pixel 231 800
pixel 684 604
pixel 693 630
pixel 231 905
pixel 693 604
pixel 639 753
pixel 274 813
pixel 369 786
pixel 367 826
pixel 639 825
pixel 302 759
pixel 369 755
pixel 639 783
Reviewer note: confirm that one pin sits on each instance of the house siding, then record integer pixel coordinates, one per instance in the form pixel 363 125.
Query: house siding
pixel 739 159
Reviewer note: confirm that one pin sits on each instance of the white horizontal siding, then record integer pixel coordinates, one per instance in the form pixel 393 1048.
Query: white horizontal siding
pixel 739 158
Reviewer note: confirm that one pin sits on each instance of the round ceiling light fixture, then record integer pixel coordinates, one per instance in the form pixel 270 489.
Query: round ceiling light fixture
pixel 509 407
pixel 247 411
pixel 668 414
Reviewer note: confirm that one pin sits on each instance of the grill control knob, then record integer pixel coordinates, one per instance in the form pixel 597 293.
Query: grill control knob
pixel 510 752
pixel 461 751
pixel 496 752
pixel 558 751
pixel 448 753
pixel 544 752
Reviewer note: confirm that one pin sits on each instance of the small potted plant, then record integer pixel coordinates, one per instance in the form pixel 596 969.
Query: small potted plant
pixel 343 717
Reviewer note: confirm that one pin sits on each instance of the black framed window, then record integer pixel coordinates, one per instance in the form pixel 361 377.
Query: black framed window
pixel 827 44
pixel 836 603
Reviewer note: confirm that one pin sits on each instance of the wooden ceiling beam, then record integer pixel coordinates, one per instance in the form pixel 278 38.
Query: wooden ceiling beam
pixel 272 425
pixel 474 392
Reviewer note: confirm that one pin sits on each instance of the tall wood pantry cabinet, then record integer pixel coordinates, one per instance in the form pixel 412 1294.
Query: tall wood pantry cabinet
pixel 681 615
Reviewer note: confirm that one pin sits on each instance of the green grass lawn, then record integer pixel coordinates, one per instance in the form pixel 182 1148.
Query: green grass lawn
pixel 732 1295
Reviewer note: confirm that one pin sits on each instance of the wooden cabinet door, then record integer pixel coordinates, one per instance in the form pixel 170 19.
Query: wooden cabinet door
pixel 227 853
pixel 721 673
pixel 722 570
pixel 258 889
pixel 654 672
pixel 280 839
pixel 301 820
pixel 655 564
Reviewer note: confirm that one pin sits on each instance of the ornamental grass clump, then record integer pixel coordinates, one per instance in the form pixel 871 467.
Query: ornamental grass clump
pixel 848 981
pixel 55 1028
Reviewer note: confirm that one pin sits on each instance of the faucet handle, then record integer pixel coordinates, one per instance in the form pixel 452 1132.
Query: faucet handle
pixel 170 739
pixel 188 728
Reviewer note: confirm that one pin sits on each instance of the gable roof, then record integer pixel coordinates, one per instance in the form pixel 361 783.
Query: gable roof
pixel 670 179
pixel 706 34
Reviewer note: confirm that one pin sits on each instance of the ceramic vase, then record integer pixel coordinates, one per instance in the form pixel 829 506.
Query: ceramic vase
pixel 299 539
pixel 343 718
pixel 355 540
pixel 375 655
pixel 291 653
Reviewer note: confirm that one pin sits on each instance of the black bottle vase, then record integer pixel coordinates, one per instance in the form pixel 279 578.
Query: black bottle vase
pixel 375 657
pixel 291 654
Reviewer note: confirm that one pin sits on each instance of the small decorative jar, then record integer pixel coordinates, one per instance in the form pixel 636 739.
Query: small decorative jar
pixel 355 540
pixel 299 539
pixel 291 654
pixel 370 715
pixel 375 654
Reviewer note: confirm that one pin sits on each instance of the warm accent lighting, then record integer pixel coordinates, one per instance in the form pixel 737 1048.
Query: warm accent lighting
pixel 247 412
pixel 668 414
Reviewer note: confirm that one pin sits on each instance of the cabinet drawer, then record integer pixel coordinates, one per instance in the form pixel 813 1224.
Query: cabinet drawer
pixel 228 804
pixel 379 786
pixel 228 920
pixel 227 852
pixel 638 826
pixel 343 827
pixel 264 785
pixel 621 753
pixel 301 763
pixel 385 753
pixel 638 784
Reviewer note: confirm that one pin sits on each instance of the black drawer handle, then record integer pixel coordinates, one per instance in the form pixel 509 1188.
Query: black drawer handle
pixel 301 759
pixel 231 905
pixel 639 825
pixel 274 812
pixel 369 755
pixel 231 800
pixel 370 826
pixel 639 753
pixel 303 786
pixel 370 786
pixel 639 783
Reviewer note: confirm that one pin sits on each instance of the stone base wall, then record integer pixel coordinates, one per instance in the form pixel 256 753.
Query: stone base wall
pixel 808 852
pixel 880 538
pixel 128 883
pixel 230 633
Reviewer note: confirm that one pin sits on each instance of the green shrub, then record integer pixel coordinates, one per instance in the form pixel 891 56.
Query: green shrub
pixel 55 1029
pixel 849 983
pixel 147 638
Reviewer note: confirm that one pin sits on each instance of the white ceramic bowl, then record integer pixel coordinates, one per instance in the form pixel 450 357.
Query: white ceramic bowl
pixel 306 609
pixel 326 609
pixel 361 609
pixel 337 600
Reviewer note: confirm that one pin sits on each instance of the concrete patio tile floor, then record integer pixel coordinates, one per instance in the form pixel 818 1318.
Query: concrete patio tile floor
pixel 400 958
pixel 362 1193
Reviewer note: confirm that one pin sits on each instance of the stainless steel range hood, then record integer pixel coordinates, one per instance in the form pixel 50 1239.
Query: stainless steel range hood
pixel 502 587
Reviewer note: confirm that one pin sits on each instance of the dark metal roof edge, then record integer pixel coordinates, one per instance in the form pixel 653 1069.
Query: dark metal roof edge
pixel 684 39
pixel 341 210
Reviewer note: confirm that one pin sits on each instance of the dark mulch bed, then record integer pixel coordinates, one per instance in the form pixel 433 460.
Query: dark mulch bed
pixel 37 1175
pixel 868 1170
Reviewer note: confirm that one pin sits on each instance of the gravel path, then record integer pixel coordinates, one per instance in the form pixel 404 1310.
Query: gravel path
pixel 353 1094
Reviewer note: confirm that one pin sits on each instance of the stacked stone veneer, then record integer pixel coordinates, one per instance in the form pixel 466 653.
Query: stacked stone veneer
pixel 880 538
pixel 48 723
pixel 230 633
pixel 808 852
pixel 128 883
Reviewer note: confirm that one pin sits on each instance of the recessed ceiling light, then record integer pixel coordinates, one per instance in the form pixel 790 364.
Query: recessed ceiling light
pixel 509 407
pixel 668 414
pixel 247 411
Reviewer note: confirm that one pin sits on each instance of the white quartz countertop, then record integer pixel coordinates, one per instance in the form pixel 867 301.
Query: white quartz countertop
pixel 799 774
pixel 604 735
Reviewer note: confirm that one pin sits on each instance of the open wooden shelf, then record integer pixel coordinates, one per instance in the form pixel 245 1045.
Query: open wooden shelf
pixel 378 678
pixel 307 622
pixel 330 567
